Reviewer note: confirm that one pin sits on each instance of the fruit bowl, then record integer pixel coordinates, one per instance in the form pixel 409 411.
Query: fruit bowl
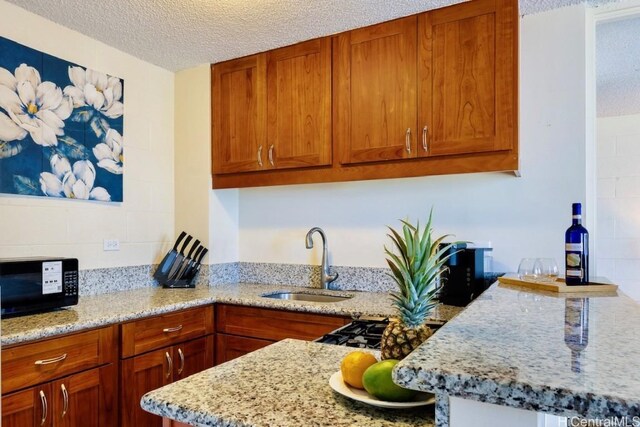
pixel 337 384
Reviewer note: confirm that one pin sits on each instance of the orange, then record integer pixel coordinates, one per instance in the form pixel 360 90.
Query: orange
pixel 353 366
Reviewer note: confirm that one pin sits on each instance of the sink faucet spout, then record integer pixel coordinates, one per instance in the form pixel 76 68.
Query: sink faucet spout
pixel 326 276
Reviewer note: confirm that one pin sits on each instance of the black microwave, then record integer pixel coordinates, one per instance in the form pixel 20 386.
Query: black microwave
pixel 31 285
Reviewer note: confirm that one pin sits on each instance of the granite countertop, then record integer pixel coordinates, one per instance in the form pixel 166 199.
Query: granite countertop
pixel 541 352
pixel 105 309
pixel 284 384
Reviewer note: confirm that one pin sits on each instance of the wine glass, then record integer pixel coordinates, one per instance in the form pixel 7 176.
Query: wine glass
pixel 528 269
pixel 548 268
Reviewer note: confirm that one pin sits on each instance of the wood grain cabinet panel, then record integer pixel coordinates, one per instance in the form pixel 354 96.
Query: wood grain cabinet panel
pixel 147 334
pixel 273 325
pixel 239 112
pixel 375 112
pixel 27 408
pixel 87 399
pixel 299 105
pixel 41 361
pixel 192 357
pixel 229 347
pixel 141 374
pixel 467 82
pixel 164 350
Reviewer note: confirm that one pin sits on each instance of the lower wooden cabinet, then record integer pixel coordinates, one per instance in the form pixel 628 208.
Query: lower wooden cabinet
pixel 242 329
pixel 229 347
pixel 87 399
pixel 149 371
pixel 25 408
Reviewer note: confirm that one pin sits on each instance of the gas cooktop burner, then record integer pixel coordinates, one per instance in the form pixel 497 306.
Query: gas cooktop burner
pixel 363 333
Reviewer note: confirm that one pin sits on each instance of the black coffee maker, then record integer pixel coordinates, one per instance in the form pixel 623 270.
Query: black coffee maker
pixel 464 278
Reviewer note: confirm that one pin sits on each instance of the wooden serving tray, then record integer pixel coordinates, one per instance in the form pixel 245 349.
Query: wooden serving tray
pixel 598 284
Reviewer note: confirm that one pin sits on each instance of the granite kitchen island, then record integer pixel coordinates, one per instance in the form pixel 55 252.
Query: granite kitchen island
pixel 285 384
pixel 569 356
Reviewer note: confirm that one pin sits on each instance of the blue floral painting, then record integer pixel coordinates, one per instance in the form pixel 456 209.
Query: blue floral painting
pixel 61 127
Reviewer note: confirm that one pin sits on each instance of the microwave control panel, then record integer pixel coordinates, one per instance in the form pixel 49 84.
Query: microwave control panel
pixel 71 283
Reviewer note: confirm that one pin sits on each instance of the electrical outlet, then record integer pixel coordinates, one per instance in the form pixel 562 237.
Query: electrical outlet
pixel 111 245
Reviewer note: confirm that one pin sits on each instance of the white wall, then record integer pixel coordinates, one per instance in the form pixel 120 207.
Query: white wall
pixel 144 222
pixel 618 242
pixel 522 216
pixel 211 216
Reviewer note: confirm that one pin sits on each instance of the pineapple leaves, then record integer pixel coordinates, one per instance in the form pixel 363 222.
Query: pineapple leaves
pixel 416 266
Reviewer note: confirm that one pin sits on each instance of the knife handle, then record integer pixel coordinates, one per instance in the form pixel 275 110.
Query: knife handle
pixel 193 247
pixel 178 240
pixel 186 243
pixel 202 254
pixel 195 256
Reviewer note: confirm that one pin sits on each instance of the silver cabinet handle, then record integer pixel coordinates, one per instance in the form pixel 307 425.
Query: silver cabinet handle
pixel 260 156
pixel 50 361
pixel 181 354
pixel 169 330
pixel 425 132
pixel 43 402
pixel 407 140
pixel 170 362
pixel 65 400
pixel 271 155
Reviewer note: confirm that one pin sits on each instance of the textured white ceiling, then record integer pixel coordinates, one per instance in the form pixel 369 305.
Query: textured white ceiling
pixel 178 34
pixel 618 67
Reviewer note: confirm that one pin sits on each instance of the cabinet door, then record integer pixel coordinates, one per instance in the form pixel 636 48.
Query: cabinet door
pixel 467 78
pixel 228 347
pixel 87 399
pixel 141 374
pixel 375 111
pixel 299 105
pixel 30 407
pixel 239 105
pixel 192 357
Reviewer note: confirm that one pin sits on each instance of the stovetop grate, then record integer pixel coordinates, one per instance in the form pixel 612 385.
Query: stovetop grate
pixel 363 333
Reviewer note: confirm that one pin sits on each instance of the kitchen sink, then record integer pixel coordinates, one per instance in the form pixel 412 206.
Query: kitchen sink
pixel 303 296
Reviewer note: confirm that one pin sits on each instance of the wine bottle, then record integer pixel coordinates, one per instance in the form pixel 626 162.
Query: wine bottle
pixel 576 242
pixel 576 329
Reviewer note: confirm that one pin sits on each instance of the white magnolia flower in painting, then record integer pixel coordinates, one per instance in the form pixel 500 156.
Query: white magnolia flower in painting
pixel 35 106
pixel 95 89
pixel 72 182
pixel 109 152
pixel 9 130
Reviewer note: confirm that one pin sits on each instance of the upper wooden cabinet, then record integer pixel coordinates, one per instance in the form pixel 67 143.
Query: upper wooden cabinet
pixel 434 93
pixel 239 108
pixel 375 91
pixel 299 105
pixel 273 110
pixel 467 83
pixel 463 72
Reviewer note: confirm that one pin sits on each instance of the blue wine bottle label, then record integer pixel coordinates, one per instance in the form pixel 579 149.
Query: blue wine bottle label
pixel 573 247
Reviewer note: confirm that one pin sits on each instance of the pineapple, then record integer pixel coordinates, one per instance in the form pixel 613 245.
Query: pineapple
pixel 416 270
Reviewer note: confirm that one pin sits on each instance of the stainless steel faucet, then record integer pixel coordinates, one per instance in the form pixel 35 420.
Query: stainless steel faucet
pixel 325 277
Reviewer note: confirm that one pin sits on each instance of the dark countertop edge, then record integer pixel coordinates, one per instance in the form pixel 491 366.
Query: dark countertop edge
pixel 584 404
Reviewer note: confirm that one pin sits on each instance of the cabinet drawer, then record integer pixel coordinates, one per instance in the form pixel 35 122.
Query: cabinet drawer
pixel 148 334
pixel 30 364
pixel 274 325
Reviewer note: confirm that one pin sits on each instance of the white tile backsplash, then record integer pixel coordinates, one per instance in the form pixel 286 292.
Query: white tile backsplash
pixel 618 197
